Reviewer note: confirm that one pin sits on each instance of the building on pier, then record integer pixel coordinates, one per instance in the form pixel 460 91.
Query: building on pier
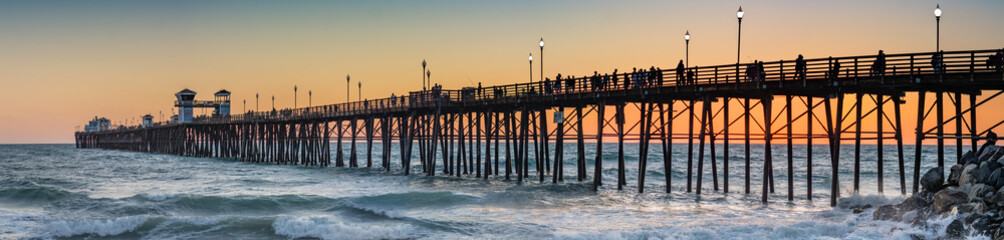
pixel 98 124
pixel 185 104
pixel 148 121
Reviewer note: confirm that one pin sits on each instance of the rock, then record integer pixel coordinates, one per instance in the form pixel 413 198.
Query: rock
pixel 969 157
pixel 966 175
pixel 991 153
pixel 981 175
pixel 955 230
pixel 953 175
pixel 979 191
pixel 962 208
pixel 996 180
pixel 910 216
pixel 914 202
pixel 933 179
pixel 886 212
pixel 999 198
pixel 990 164
pixel 945 199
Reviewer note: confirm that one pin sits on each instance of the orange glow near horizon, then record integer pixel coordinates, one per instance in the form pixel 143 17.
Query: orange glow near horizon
pixel 70 61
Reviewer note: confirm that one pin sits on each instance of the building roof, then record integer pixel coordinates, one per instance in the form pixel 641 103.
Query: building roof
pixel 148 116
pixel 186 92
pixel 222 92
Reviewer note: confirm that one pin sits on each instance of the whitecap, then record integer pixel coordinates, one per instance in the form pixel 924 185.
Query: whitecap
pixel 329 228
pixel 100 227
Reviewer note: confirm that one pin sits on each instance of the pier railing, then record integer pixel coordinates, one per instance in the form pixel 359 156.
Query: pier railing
pixel 783 72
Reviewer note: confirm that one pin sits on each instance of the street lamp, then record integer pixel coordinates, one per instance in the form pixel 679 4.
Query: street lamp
pixel 428 74
pixel 294 96
pixel 423 76
pixel 937 18
pixel 245 108
pixel 256 102
pixel 310 98
pixel 531 67
pixel 541 60
pixel 347 88
pixel 739 45
pixel 360 90
pixel 273 102
pixel 686 37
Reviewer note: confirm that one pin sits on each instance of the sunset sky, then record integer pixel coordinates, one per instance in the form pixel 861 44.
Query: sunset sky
pixel 65 62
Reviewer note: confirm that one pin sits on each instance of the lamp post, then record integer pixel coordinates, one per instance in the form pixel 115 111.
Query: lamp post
pixel 245 108
pixel 541 60
pixel 294 96
pixel 310 98
pixel 256 102
pixel 531 67
pixel 739 37
pixel 423 75
pixel 273 102
pixel 937 18
pixel 360 95
pixel 686 37
pixel 428 74
pixel 347 87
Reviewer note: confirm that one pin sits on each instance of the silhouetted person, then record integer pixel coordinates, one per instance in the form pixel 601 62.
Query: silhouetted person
pixel 690 77
pixel 651 76
pixel 659 75
pixel 569 83
pixel 878 68
pixel 799 68
pixel 547 86
pixel 627 80
pixel 835 70
pixel 760 71
pixel 614 78
pixel 751 72
pixel 996 62
pixel 679 73
pixel 937 63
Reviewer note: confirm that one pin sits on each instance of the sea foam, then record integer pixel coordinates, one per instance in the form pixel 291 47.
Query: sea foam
pixel 100 227
pixel 333 228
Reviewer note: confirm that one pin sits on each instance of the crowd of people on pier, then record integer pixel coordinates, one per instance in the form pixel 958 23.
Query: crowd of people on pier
pixel 639 78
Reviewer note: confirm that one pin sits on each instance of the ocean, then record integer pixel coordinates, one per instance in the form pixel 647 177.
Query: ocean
pixel 60 192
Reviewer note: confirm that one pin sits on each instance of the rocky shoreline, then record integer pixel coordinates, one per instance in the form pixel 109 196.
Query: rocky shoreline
pixel 973 193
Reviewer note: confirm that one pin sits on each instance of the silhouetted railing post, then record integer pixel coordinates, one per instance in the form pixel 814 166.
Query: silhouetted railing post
pixel 856 71
pixel 780 72
pixel 972 66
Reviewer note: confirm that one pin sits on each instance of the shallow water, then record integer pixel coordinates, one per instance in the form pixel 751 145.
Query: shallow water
pixel 57 191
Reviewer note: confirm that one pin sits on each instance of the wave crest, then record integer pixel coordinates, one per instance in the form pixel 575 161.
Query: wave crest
pixel 327 228
pixel 106 227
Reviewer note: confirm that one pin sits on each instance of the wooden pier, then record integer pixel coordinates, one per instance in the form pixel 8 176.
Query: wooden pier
pixel 492 131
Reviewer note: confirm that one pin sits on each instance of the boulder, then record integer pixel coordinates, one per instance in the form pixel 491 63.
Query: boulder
pixel 886 212
pixel 910 216
pixel 945 199
pixel 996 180
pixel 966 175
pixel 979 191
pixel 991 153
pixel 998 198
pixel 955 230
pixel 917 201
pixel 990 164
pixel 933 179
pixel 969 157
pixel 953 175
pixel 981 175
